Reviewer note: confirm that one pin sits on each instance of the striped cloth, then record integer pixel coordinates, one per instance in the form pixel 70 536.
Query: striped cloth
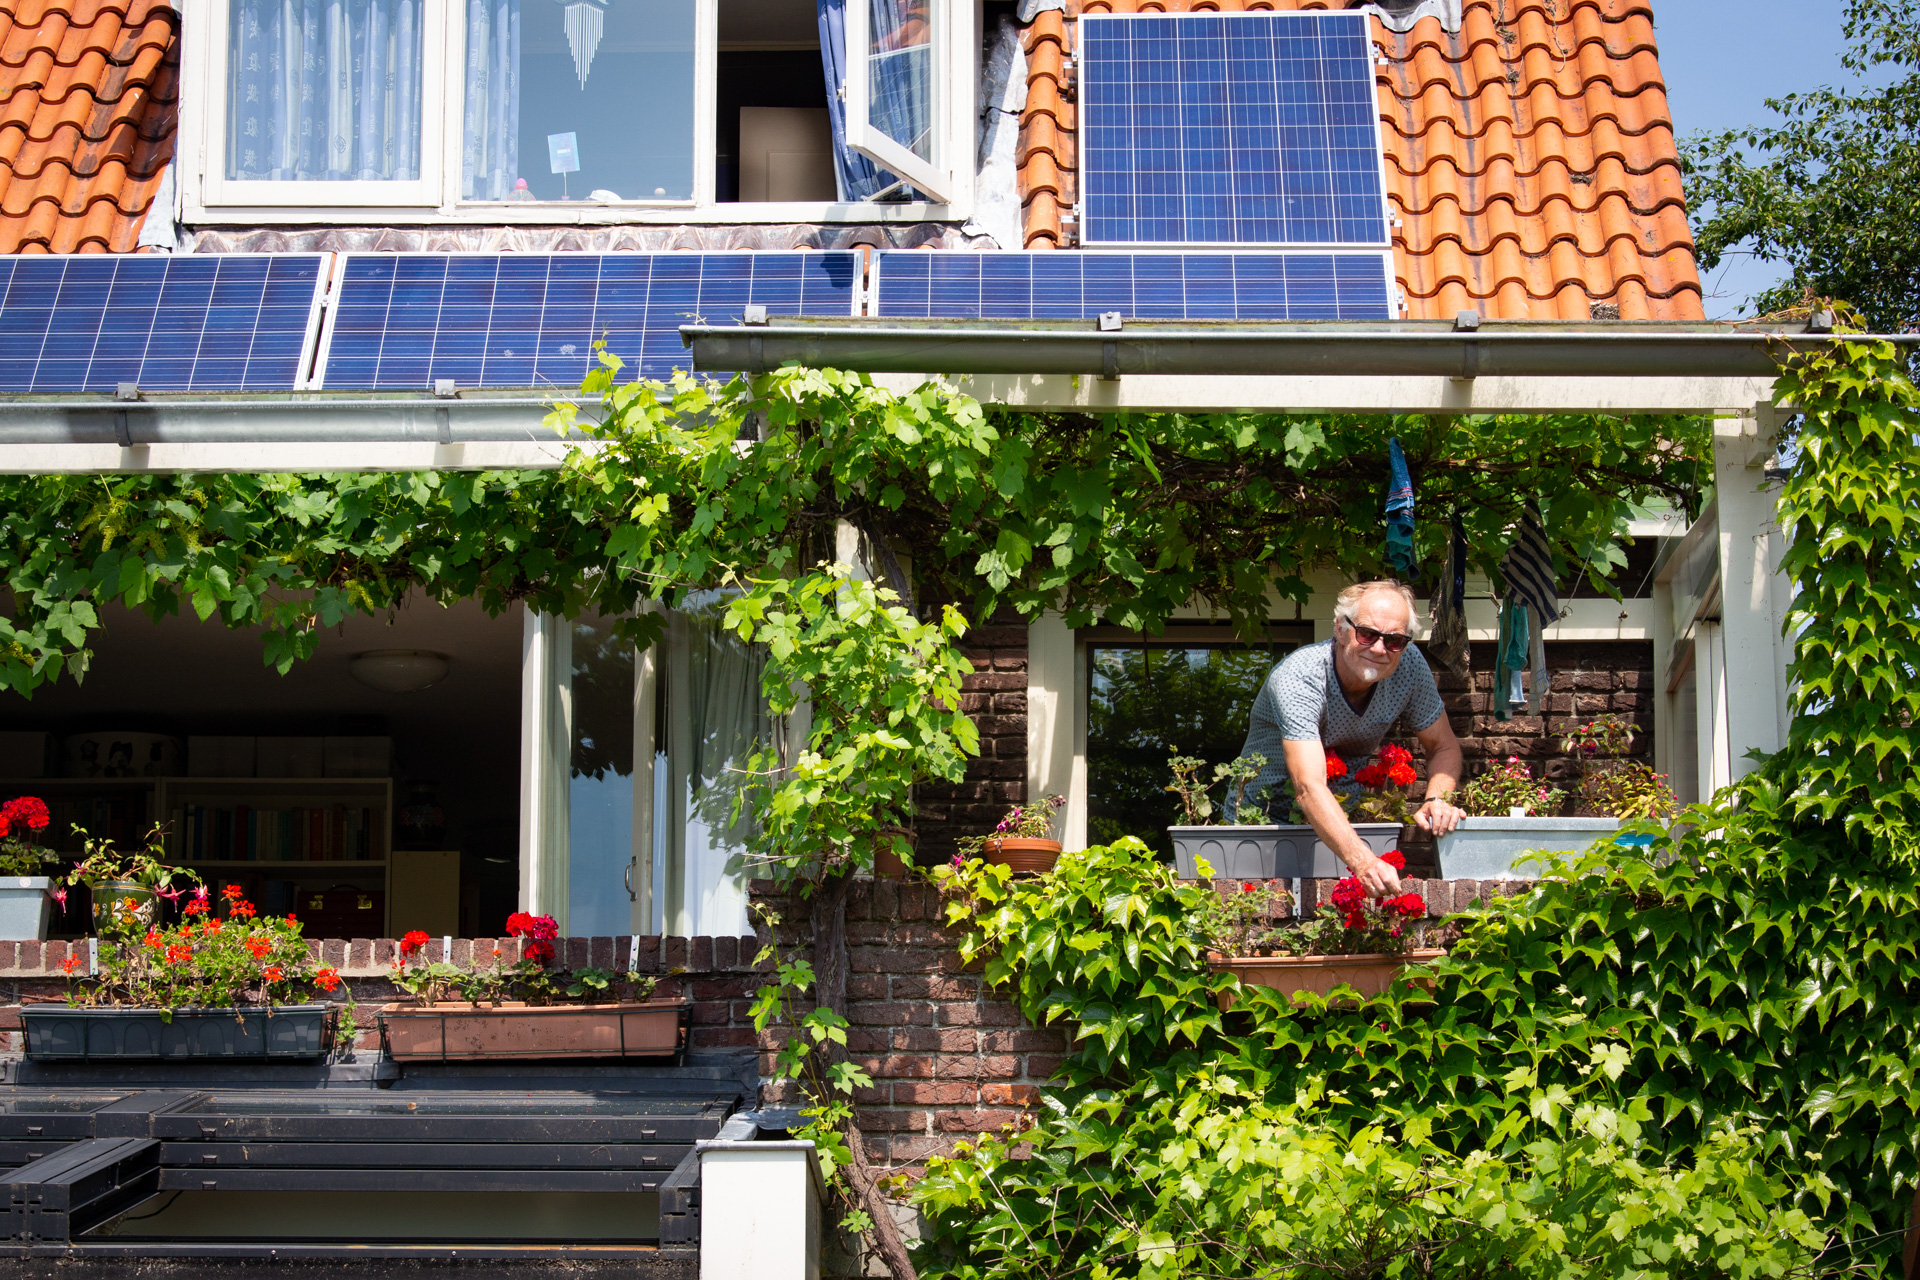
pixel 1528 566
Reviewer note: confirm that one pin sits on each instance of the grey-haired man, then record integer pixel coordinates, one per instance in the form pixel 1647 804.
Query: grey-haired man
pixel 1346 695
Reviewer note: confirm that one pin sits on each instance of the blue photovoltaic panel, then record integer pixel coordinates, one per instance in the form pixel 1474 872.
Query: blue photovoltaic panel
pixel 401 321
pixel 186 322
pixel 1230 128
pixel 1142 286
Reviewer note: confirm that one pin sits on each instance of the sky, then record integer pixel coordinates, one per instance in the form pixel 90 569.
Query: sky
pixel 1721 60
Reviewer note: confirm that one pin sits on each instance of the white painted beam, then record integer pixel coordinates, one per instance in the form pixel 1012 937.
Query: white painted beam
pixel 1754 651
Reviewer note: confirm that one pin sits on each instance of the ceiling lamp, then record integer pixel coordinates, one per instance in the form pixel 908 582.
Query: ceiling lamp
pixel 400 670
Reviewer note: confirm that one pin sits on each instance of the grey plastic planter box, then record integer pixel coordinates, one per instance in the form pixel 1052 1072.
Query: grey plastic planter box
pixel 23 907
pixel 289 1031
pixel 1269 853
pixel 1489 848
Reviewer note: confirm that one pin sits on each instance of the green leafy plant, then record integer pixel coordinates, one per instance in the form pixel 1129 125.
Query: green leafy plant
pixel 1611 785
pixel 1246 920
pixel 1196 802
pixel 105 864
pixel 1506 786
pixel 1382 788
pixel 21 820
pixel 1030 820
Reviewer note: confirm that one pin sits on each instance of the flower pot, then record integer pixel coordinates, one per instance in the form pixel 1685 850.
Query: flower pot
pixel 455 1031
pixel 1269 853
pixel 287 1031
pixel 888 865
pixel 1026 857
pixel 24 906
pixel 109 892
pixel 1498 848
pixel 1296 976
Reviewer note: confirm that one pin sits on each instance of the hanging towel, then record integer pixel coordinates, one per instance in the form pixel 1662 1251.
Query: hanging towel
pixel 1447 648
pixel 1537 682
pixel 1399 512
pixel 1528 566
pixel 1510 659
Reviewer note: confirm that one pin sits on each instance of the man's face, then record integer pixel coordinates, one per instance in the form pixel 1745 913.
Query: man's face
pixel 1382 611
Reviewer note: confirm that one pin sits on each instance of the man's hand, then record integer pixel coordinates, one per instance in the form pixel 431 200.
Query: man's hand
pixel 1380 879
pixel 1437 816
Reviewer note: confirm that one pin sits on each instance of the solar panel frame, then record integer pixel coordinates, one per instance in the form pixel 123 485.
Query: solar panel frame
pixel 85 323
pixel 453 322
pixel 1147 284
pixel 1164 193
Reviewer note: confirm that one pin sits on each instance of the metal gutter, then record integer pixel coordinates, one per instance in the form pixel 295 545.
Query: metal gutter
pixel 297 418
pixel 1468 348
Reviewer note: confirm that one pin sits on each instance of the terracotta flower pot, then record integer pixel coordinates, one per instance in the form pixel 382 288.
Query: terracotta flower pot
pixel 457 1031
pixel 1295 976
pixel 888 865
pixel 1026 857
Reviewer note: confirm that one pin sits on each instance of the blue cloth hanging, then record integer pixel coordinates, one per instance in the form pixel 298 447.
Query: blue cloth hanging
pixel 1399 512
pixel 1510 659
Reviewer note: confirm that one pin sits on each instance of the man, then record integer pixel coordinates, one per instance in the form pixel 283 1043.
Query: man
pixel 1346 695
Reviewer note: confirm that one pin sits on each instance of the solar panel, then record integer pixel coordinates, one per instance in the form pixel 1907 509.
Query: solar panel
pixel 1143 286
pixel 212 322
pixel 1230 128
pixel 402 321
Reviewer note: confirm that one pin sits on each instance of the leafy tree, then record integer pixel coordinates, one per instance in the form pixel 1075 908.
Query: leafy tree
pixel 1830 188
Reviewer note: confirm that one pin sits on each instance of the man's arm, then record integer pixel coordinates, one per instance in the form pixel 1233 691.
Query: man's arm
pixel 1439 815
pixel 1307 762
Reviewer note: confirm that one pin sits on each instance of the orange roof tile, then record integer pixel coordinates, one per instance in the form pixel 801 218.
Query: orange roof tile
pixel 87 112
pixel 1530 156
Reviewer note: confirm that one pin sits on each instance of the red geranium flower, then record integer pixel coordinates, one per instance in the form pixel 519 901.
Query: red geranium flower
pixel 195 907
pixel 1349 894
pixel 1247 886
pixel 1373 775
pixel 70 966
pixel 1408 904
pixel 232 893
pixel 327 978
pixel 539 952
pixel 1401 775
pixel 1392 755
pixel 154 939
pixel 1395 859
pixel 1336 767
pixel 260 947
pixel 416 940
pixel 28 811
pixel 178 953
pixel 272 973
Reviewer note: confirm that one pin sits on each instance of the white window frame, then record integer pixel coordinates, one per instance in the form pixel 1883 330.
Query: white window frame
pixel 222 190
pixel 934 179
pixel 208 198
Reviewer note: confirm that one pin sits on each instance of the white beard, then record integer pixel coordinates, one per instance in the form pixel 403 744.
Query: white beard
pixel 1369 674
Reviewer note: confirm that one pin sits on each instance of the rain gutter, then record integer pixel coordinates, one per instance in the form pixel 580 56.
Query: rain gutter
pixel 1466 348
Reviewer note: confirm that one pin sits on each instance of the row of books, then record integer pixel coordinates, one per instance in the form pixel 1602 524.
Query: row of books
pixel 243 833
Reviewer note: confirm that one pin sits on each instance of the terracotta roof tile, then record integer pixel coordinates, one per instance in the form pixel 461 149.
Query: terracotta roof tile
pixel 88 91
pixel 1530 156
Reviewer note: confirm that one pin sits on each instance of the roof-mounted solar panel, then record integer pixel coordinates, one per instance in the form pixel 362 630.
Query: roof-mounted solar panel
pixel 1140 286
pixel 1230 128
pixel 185 322
pixel 404 321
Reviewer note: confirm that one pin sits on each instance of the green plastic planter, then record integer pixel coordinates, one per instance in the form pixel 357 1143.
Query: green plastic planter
pixel 64 1033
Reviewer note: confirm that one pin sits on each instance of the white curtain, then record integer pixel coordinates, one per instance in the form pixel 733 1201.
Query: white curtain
pixel 491 150
pixel 325 90
pixel 715 720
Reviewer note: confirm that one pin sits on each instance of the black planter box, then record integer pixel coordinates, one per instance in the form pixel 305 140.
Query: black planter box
pixel 289 1031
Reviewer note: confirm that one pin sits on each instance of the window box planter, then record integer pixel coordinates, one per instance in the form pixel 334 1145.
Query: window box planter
pixel 454 1031
pixel 1490 848
pixel 1269 853
pixel 24 906
pixel 1296 976
pixel 63 1032
pixel 1026 857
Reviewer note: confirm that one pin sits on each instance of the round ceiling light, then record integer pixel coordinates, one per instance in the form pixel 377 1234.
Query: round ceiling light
pixel 400 670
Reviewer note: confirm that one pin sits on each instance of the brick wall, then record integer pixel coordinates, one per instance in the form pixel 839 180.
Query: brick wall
pixel 995 695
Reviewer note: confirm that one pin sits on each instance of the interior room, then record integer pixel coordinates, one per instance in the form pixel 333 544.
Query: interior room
pixel 371 790
pixel 772 139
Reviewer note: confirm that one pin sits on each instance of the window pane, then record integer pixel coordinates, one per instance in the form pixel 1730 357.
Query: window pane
pixel 1147 704
pixel 900 74
pixel 324 90
pixel 600 783
pixel 570 99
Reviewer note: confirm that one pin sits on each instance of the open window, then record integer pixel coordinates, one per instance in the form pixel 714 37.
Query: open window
pixel 893 99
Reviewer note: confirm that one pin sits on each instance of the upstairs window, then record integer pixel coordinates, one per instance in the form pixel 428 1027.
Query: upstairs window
pixel 604 104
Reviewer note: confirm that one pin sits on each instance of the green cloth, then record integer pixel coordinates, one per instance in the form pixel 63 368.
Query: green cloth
pixel 1511 654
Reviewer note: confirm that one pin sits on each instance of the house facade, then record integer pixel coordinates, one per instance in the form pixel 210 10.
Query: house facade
pixel 435 207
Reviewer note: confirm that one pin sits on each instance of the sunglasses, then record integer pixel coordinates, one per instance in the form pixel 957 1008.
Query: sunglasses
pixel 1393 640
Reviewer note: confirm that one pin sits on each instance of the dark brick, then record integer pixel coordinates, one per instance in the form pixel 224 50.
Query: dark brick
pixel 1017 1095
pixel 889 1013
pixel 726 954
pixel 977 1121
pixel 981 1067
pixel 673 954
pixel 1022 1040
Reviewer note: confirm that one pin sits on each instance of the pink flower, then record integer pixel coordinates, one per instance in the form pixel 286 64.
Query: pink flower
pixel 60 896
pixel 200 893
pixel 959 861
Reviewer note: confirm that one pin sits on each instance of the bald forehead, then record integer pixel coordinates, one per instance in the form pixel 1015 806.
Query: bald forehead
pixel 1384 609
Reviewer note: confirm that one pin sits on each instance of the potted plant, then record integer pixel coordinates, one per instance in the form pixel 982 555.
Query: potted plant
pixel 24 892
pixel 1514 819
pixel 1021 841
pixel 527 1010
pixel 238 985
pixel 1253 848
pixel 125 886
pixel 1354 942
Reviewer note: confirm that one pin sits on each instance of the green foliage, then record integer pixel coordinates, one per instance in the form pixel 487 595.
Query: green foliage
pixel 1849 510
pixel 883 691
pixel 1507 786
pixel 1201 1176
pixel 1123 518
pixel 1832 187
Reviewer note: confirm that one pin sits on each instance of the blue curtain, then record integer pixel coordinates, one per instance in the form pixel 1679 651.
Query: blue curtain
pixel 855 176
pixel 324 90
pixel 490 152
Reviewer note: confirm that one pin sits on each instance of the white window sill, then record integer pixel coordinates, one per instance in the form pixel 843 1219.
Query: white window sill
pixel 566 215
